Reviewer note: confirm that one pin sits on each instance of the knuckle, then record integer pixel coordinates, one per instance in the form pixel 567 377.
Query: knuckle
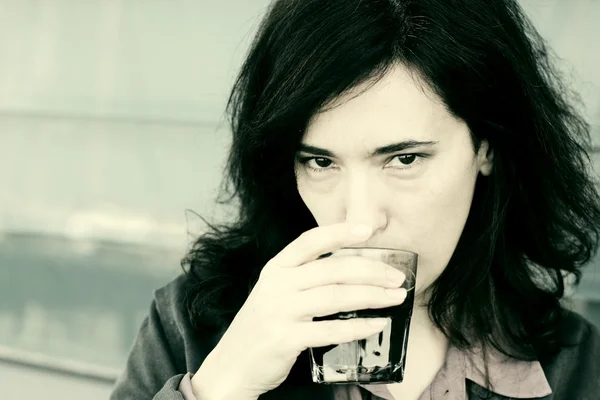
pixel 293 307
pixel 305 236
pixel 280 336
pixel 268 270
pixel 331 272
pixel 274 263
pixel 270 290
pixel 278 309
pixel 333 292
pixel 271 271
pixel 263 282
pixel 265 272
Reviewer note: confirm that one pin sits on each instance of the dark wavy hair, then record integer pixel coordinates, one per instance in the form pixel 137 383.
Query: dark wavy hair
pixel 532 222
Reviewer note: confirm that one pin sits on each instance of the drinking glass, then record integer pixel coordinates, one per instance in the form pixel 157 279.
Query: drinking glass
pixel 380 358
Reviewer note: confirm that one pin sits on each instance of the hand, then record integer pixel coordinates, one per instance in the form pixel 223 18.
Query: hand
pixel 275 324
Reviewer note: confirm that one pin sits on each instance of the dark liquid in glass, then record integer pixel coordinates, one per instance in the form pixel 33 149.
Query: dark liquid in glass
pixel 363 361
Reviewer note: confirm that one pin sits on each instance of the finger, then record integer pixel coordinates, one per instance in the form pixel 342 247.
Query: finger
pixel 321 240
pixel 331 299
pixel 326 333
pixel 350 270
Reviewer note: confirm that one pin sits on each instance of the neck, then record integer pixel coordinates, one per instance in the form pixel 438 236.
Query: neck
pixel 422 324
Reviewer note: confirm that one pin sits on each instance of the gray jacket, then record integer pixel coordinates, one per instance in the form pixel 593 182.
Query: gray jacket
pixel 167 347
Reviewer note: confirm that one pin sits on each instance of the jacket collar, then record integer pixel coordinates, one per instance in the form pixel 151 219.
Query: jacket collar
pixel 508 377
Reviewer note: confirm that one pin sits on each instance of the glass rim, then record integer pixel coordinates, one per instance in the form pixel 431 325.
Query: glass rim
pixel 412 271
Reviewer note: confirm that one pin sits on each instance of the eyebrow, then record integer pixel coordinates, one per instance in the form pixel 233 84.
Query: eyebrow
pixel 391 148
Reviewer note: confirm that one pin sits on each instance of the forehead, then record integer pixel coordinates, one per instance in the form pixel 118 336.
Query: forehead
pixel 396 108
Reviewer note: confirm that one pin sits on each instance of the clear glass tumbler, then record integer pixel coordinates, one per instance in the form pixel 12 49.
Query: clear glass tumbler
pixel 379 358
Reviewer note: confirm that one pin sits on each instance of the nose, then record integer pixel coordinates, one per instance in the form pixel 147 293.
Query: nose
pixel 364 201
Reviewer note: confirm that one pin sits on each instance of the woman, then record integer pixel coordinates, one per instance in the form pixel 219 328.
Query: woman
pixel 434 126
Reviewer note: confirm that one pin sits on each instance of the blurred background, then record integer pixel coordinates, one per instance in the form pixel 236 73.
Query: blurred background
pixel 111 127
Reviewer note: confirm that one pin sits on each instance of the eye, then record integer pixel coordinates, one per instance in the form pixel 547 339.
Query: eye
pixel 406 161
pixel 322 162
pixel 317 164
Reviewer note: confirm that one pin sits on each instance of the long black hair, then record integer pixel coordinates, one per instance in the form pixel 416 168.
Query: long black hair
pixel 533 221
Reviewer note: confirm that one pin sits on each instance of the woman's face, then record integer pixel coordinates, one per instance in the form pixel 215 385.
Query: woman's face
pixel 393 158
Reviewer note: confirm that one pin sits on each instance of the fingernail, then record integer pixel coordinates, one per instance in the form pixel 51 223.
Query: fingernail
pixel 396 294
pixel 362 231
pixel 396 277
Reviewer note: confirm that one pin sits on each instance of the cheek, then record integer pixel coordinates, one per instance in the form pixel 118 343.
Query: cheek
pixel 438 213
pixel 444 206
pixel 320 199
